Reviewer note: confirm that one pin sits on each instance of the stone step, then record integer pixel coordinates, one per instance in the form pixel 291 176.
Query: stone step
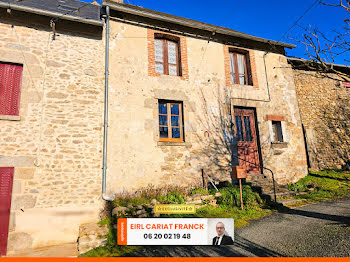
pixel 280 195
pixel 255 177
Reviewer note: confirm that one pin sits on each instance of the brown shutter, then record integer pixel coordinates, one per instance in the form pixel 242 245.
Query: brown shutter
pixel 249 70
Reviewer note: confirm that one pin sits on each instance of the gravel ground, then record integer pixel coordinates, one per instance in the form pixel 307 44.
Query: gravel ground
pixel 317 230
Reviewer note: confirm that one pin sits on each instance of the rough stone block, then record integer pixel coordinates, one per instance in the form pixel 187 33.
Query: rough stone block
pixel 91 235
pixel 12 222
pixel 19 241
pixel 24 173
pixel 118 211
pixel 24 202
pixel 17 187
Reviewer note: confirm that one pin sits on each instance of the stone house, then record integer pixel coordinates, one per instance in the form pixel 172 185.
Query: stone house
pixel 324 102
pixel 182 96
pixel 51 104
pixel 186 96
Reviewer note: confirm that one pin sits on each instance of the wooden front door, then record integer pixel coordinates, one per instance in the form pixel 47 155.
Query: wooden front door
pixel 6 180
pixel 247 142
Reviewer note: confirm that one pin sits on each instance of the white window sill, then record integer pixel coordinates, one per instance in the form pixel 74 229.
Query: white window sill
pixel 242 86
pixel 10 118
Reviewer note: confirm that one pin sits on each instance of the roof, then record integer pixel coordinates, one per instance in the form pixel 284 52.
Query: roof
pixel 64 9
pixel 148 13
pixel 293 60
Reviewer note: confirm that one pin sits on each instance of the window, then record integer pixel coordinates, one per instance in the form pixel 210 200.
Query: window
pixel 240 69
pixel 243 134
pixel 170 121
pixel 10 88
pixel 167 57
pixel 277 131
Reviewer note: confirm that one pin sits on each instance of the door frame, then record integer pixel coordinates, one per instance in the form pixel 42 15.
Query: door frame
pixel 258 144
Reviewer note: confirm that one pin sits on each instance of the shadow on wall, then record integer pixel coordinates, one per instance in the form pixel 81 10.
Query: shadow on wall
pixel 217 134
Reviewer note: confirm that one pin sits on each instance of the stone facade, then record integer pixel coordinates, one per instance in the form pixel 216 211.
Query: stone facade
pixel 136 157
pixel 325 111
pixel 55 143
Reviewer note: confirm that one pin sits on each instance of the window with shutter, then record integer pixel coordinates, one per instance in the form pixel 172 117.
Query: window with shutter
pixel 240 68
pixel 10 88
pixel 167 57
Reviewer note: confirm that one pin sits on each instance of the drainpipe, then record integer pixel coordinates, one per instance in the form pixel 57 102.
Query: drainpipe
pixel 105 125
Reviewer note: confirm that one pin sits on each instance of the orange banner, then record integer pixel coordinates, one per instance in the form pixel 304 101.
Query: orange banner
pixel 177 259
pixel 122 231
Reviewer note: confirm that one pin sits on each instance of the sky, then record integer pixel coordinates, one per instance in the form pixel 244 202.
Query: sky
pixel 267 19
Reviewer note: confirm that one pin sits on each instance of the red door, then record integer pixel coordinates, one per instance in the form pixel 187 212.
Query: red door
pixel 6 180
pixel 247 144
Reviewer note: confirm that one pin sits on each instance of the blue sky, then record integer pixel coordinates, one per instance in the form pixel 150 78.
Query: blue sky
pixel 267 19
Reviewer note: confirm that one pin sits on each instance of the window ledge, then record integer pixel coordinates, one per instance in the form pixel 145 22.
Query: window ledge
pixel 279 144
pixel 243 86
pixel 10 118
pixel 168 143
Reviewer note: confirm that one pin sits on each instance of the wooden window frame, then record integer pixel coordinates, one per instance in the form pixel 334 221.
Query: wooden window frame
pixel 248 72
pixel 166 39
pixel 277 138
pixel 169 126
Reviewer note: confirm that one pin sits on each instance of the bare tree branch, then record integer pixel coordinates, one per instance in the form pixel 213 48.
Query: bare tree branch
pixel 323 48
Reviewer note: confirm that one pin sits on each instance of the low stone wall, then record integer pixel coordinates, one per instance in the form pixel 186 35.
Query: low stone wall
pixel 92 235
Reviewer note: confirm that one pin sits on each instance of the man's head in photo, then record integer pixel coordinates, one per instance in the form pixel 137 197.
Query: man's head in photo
pixel 220 228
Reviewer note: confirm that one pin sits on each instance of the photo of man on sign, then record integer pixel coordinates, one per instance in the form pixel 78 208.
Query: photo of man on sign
pixel 221 238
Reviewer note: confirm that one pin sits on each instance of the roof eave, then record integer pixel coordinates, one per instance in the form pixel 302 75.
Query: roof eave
pixel 143 12
pixel 51 14
pixel 309 61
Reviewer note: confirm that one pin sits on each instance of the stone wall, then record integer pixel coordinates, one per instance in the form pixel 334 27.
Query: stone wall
pixel 55 144
pixel 325 111
pixel 136 157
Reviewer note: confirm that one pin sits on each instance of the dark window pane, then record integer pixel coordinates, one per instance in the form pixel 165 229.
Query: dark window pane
pixel 280 135
pixel 175 110
pixel 175 121
pixel 163 120
pixel 176 132
pixel 248 131
pixel 277 131
pixel 162 108
pixel 239 128
pixel 163 131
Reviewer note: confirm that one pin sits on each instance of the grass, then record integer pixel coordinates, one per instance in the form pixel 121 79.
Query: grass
pixel 322 185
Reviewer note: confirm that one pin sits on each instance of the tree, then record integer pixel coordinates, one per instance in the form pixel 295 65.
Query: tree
pixel 322 48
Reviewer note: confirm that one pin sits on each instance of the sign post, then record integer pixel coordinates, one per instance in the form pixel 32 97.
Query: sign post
pixel 239 172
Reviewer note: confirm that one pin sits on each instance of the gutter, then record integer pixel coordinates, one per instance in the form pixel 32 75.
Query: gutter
pixel 105 125
pixel 37 11
pixel 143 12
